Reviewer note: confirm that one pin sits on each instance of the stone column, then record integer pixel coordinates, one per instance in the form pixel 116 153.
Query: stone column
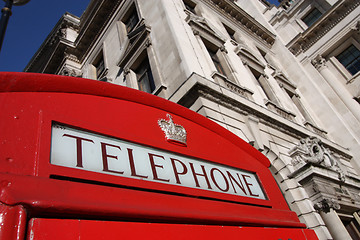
pixel 320 63
pixel 331 219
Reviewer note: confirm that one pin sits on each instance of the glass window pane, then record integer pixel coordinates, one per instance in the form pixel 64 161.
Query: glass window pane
pixel 144 77
pixel 132 21
pixel 350 59
pixel 311 17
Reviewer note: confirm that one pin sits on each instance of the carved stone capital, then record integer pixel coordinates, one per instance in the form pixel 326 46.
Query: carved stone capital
pixel 126 71
pixel 326 204
pixel 319 62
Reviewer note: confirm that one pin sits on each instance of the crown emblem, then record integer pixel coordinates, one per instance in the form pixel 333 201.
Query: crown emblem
pixel 174 133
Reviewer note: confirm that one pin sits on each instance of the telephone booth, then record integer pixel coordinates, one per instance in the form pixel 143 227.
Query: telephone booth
pixel 83 159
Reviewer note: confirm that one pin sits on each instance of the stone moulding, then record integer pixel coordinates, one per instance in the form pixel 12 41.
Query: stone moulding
pixel 303 41
pixel 245 20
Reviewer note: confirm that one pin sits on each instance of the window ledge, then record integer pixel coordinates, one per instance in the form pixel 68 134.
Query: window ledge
pixel 282 112
pixel 233 87
pixel 353 78
pixel 315 129
pixel 158 89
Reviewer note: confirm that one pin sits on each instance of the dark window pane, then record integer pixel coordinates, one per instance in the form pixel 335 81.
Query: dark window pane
pixel 145 77
pixel 311 17
pixel 216 62
pixel 350 58
pixel 100 66
pixel 131 22
pixel 190 6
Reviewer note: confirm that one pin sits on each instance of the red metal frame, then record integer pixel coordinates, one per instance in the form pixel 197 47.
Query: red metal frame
pixel 44 229
pixel 30 103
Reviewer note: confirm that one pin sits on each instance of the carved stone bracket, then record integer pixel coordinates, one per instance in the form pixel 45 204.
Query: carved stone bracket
pixel 311 150
pixel 326 204
pixel 223 49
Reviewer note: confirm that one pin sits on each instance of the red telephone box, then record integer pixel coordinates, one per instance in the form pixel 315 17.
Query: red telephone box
pixel 83 159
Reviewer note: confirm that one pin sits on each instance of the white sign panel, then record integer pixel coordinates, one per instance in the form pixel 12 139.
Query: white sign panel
pixel 93 152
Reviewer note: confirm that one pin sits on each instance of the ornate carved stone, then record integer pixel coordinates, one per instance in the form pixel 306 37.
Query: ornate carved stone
pixel 326 204
pixel 71 57
pixel 70 72
pixel 311 150
pixel 148 43
pixel 356 27
pixel 223 49
pixel 319 62
pixel 62 32
pixel 126 71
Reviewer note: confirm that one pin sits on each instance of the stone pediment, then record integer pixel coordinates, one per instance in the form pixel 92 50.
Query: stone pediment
pixel 246 55
pixel 283 80
pixel 137 37
pixel 202 27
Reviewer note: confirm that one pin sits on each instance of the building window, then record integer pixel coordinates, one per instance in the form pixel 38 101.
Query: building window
pixel 311 17
pixel 296 100
pixel 131 21
pixel 190 6
pixel 353 227
pixel 263 84
pixel 99 65
pixel 144 76
pixel 350 59
pixel 216 61
pixel 230 32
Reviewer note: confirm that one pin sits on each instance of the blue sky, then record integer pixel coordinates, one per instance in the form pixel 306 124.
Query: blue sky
pixel 29 26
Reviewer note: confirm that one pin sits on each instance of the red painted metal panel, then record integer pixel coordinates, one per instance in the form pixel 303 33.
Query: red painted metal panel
pixel 43 229
pixel 12 221
pixel 31 103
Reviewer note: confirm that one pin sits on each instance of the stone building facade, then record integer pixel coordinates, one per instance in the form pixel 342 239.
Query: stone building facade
pixel 285 78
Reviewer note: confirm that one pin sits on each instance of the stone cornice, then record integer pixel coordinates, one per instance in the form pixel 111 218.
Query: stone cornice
pixel 265 116
pixel 93 22
pixel 55 40
pixel 244 19
pixel 197 86
pixel 303 41
pixel 89 26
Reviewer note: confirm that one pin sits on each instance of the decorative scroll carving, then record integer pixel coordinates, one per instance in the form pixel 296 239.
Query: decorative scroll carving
pixel 311 150
pixel 70 72
pixel 326 204
pixel 319 62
